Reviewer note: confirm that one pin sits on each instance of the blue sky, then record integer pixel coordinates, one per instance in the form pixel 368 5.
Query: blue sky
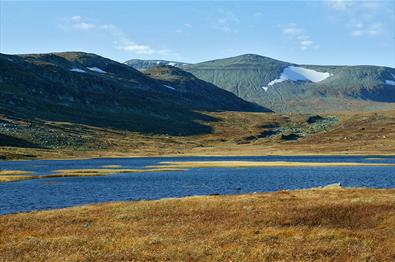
pixel 305 32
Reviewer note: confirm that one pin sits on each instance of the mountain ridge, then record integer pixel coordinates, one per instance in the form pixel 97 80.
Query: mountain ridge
pixel 89 89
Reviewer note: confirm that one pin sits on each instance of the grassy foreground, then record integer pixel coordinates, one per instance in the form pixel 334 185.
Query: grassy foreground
pixel 335 224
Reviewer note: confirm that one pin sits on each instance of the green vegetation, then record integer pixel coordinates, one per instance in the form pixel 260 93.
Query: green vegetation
pixel 43 87
pixel 350 88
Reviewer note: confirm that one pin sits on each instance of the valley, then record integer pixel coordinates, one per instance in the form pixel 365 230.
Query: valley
pixel 232 133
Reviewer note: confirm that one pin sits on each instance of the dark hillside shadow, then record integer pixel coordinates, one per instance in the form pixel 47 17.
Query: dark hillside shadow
pixel 10 141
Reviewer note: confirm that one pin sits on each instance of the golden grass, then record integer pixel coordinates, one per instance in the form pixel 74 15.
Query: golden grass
pixel 116 171
pixel 86 173
pixel 14 172
pixel 112 166
pixel 232 164
pixel 308 225
pixel 10 178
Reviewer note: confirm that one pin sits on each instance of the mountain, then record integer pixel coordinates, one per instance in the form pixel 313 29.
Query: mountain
pixel 288 87
pixel 193 89
pixel 146 64
pixel 89 89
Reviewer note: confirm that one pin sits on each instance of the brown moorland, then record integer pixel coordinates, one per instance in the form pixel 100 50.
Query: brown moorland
pixel 305 225
pixel 234 133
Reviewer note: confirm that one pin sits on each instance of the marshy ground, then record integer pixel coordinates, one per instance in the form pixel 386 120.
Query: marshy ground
pixel 306 225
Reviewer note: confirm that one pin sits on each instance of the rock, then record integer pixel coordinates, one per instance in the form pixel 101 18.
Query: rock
pixel 314 119
pixel 290 137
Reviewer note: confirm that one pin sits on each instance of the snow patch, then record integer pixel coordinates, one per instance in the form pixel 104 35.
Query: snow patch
pixel 294 73
pixel 393 76
pixel 170 87
pixel 96 69
pixel 172 64
pixel 77 70
pixel 390 82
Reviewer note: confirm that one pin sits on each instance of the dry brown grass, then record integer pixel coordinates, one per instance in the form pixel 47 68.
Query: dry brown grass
pixel 10 178
pixel 14 172
pixel 117 171
pixel 112 166
pixel 309 225
pixel 371 133
pixel 232 164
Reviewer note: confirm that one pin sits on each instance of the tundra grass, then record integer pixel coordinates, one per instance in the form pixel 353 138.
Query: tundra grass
pixel 307 225
pixel 82 173
pixel 14 172
pixel 10 178
pixel 233 164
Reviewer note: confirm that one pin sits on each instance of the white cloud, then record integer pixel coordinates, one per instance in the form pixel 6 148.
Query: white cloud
pixel 76 18
pixel 84 26
pixel 299 36
pixel 363 17
pixel 361 29
pixel 340 4
pixel 135 48
pixel 119 38
pixel 185 27
pixel 227 22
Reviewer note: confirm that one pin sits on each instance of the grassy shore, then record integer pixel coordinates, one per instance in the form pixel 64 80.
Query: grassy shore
pixel 306 225
pixel 233 164
pixel 17 175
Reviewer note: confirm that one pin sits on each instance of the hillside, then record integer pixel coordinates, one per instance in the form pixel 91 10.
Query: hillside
pixel 287 87
pixel 142 65
pixel 88 89
pixel 231 134
pixel 191 88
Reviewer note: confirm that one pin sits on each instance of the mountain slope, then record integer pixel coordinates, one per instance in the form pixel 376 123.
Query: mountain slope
pixel 194 89
pixel 142 65
pixel 89 89
pixel 287 87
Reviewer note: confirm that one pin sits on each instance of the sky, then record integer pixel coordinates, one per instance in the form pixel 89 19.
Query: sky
pixel 328 32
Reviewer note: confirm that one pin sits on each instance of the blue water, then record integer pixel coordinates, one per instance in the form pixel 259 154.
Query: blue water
pixel 50 193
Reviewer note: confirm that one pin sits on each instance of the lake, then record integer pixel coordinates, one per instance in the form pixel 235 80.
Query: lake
pixel 47 193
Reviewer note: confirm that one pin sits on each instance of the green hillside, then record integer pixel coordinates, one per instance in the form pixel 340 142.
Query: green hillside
pixel 351 88
pixel 88 89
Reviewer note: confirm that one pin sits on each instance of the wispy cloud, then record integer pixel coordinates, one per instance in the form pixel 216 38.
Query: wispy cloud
pixel 78 23
pixel 340 4
pixel 227 22
pixel 361 29
pixel 362 18
pixel 121 41
pixel 185 27
pixel 299 36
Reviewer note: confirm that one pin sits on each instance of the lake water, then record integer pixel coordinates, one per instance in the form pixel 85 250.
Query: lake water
pixel 71 191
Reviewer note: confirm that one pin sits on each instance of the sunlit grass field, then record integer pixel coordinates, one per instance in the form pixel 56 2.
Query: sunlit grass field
pixel 307 225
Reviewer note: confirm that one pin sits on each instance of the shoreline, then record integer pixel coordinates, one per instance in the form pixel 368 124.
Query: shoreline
pixel 329 187
pixel 202 155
